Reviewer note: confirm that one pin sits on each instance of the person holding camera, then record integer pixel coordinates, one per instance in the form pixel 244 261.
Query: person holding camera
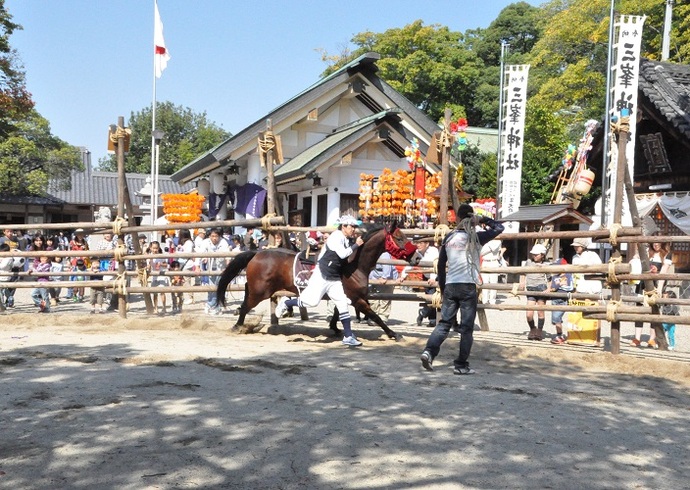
pixel 460 252
pixel 10 264
pixel 6 265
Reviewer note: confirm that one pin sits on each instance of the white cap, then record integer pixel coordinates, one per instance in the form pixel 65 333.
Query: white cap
pixel 538 248
pixel 581 242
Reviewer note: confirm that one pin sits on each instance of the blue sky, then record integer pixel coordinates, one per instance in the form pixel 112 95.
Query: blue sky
pixel 89 61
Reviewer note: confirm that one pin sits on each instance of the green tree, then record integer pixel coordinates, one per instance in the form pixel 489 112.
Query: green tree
pixel 472 158
pixel 429 65
pixel 486 186
pixel 545 142
pixel 15 100
pixel 519 25
pixel 569 62
pixel 30 156
pixel 187 135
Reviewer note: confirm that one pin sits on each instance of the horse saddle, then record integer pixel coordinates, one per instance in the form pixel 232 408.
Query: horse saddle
pixel 302 268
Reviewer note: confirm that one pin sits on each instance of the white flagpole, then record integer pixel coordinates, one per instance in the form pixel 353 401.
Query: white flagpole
pixel 154 170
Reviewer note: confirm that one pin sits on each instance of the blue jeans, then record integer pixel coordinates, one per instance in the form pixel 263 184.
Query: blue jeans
pixel 463 297
pixel 557 316
pixel 212 298
pixel 41 294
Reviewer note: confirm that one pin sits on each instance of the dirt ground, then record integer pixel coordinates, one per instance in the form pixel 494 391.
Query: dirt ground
pixel 95 401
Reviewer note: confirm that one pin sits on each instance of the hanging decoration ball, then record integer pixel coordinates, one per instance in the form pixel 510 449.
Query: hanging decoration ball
pixel 413 154
pixel 569 157
pixel 458 130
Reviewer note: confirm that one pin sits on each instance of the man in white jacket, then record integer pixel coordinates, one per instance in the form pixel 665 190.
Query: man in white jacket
pixel 214 243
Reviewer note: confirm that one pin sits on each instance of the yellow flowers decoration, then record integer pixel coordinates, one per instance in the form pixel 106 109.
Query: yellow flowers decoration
pixel 182 208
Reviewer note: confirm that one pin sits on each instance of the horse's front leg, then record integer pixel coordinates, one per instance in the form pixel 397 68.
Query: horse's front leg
pixel 364 306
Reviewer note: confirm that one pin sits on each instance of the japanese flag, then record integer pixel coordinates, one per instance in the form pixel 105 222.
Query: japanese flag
pixel 160 52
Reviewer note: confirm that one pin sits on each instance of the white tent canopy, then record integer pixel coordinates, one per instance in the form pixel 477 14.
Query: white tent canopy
pixel 675 206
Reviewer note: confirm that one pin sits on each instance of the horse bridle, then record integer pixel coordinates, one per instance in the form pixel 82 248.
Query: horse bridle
pixel 397 252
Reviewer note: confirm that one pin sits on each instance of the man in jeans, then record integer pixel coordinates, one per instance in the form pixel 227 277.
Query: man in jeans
pixel 460 252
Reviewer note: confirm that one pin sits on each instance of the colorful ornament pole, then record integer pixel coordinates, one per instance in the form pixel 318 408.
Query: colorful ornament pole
pixel 419 183
pixel 416 164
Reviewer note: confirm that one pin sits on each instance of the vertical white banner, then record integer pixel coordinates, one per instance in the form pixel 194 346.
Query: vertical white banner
pixel 625 74
pixel 512 138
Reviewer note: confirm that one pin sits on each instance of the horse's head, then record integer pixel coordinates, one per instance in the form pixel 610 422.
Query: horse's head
pixel 400 247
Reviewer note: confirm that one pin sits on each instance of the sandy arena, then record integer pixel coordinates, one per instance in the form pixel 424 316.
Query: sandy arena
pixel 95 401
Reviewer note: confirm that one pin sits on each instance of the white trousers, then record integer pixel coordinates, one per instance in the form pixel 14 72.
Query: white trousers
pixel 318 287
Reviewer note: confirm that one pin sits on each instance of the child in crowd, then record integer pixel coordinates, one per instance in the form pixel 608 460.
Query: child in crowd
pixel 177 280
pixel 670 328
pixel 78 276
pixel 536 282
pixel 56 266
pixel 98 292
pixel 157 267
pixel 560 283
pixel 6 265
pixel 40 294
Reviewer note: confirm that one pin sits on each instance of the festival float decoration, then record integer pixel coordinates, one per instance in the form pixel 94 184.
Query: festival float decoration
pixel 458 130
pixel 484 207
pixel 182 208
pixel 459 137
pixel 401 194
pixel 392 196
pixel 575 179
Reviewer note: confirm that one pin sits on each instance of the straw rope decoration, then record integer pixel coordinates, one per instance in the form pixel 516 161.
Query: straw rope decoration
pixel 117 225
pixel 266 221
pixel 613 238
pixel 440 233
pixel 613 279
pixel 120 285
pixel 612 310
pixel 650 297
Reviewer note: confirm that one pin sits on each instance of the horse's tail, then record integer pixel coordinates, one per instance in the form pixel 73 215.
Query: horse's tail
pixel 236 265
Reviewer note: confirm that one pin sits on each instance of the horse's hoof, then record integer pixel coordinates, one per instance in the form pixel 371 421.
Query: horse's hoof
pixel 236 328
pixel 398 337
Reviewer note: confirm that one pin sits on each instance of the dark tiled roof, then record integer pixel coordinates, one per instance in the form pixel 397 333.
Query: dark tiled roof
pixel 100 188
pixel 547 214
pixel 37 200
pixel 667 85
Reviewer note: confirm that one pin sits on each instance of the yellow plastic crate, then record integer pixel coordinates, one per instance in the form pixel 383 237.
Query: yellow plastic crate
pixel 581 331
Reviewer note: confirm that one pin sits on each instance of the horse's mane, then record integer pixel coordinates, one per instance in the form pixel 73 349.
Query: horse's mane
pixel 370 229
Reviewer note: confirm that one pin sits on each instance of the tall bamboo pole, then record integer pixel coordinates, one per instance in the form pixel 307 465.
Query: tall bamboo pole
pixel 622 164
pixel 445 170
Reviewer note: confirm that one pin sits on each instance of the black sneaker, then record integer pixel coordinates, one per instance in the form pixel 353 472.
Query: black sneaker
pixel 464 370
pixel 427 360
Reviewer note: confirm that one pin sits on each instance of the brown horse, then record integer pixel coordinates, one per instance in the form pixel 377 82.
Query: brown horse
pixel 270 270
